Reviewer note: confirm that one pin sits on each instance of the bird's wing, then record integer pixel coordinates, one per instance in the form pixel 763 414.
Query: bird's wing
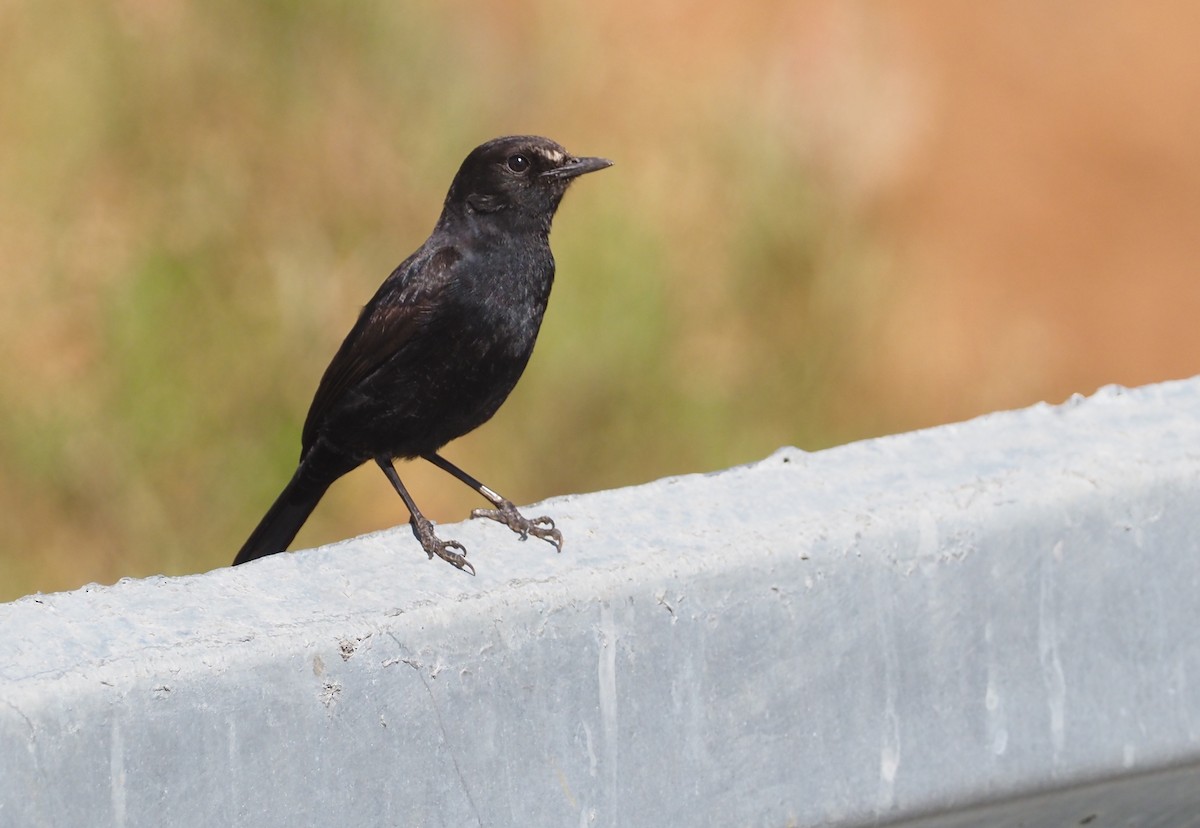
pixel 386 325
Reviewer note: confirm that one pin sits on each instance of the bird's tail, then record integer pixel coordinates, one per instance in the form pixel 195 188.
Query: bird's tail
pixel 287 514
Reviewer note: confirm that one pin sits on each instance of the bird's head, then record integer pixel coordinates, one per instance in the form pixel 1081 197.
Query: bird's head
pixel 520 179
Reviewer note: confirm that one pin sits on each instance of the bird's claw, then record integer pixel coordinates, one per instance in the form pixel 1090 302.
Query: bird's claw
pixel 433 545
pixel 456 559
pixel 540 527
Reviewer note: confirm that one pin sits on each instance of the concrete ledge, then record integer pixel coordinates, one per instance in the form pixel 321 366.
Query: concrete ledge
pixel 993 623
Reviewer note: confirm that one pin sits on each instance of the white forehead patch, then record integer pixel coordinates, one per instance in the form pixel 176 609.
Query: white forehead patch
pixel 552 155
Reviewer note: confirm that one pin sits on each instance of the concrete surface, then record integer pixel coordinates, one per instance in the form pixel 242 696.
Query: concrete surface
pixel 989 623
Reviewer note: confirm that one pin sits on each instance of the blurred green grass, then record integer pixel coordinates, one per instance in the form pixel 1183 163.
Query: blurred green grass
pixel 195 200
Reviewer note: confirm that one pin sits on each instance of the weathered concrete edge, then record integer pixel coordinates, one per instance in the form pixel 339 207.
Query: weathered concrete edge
pixel 831 610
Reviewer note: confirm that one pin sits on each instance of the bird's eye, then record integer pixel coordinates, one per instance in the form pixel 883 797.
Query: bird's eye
pixel 518 163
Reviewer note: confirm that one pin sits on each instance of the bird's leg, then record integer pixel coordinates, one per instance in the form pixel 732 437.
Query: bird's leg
pixel 423 528
pixel 505 512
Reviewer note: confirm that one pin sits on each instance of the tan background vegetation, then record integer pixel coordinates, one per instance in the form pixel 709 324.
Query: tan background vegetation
pixel 828 220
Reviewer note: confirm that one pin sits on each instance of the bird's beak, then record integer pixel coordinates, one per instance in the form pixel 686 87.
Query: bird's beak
pixel 575 167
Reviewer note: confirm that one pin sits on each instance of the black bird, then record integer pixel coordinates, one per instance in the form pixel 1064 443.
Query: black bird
pixel 440 345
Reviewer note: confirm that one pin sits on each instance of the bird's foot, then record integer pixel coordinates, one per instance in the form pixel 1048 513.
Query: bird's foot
pixel 433 545
pixel 540 527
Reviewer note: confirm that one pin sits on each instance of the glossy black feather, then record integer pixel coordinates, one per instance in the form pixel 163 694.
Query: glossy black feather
pixel 442 343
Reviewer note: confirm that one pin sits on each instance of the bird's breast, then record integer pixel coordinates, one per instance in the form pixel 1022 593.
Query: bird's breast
pixel 506 290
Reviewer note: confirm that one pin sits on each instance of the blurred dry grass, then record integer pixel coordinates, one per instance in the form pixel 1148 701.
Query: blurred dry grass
pixel 196 198
pixel 797 245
